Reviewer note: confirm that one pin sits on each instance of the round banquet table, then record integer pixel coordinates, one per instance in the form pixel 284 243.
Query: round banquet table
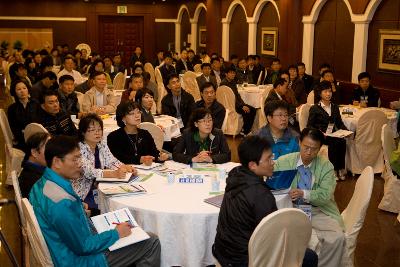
pixel 178 215
pixel 254 95
pixel 351 121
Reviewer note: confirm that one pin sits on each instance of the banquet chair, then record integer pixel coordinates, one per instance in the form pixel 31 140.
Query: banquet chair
pixel 14 156
pixel 150 69
pixel 310 98
pixel 303 115
pixel 37 243
pixel 18 201
pixel 161 89
pixel 80 96
pixel 260 120
pixel 354 214
pixel 233 121
pixel 197 68
pixel 119 81
pixel 280 239
pixel 366 147
pixel 191 86
pixel 155 132
pixel 391 197
pixel 33 128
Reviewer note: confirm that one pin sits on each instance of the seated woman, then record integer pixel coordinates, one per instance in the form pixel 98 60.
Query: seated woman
pixel 97 160
pixel 145 98
pixel 129 144
pixel 34 162
pixel 325 116
pixel 201 142
pixel 22 112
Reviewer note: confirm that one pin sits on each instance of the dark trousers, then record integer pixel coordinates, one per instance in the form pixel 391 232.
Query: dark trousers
pixel 336 152
pixel 248 118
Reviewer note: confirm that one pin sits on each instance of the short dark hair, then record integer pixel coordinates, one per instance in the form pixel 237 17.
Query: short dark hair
pixel 231 68
pixel 323 66
pixel 47 93
pixel 94 74
pixel 271 106
pixel 66 77
pixel 137 66
pixel 363 75
pixel 326 71
pixel 234 56
pixel 14 85
pixel 301 64
pixel 205 65
pixel 168 55
pixel 172 76
pixel 207 85
pixel 275 59
pixel 49 74
pixel 284 72
pixel 198 114
pixel 35 142
pixel 85 122
pixel 292 66
pixel 141 93
pixel 214 59
pixel 59 146
pixel 314 134
pixel 123 109
pixel 324 85
pixel 251 57
pixel 251 149
pixel 279 81
pixel 68 57
pixel 183 49
pixel 136 76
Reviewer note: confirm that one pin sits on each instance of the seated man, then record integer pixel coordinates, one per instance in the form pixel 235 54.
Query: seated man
pixel 216 70
pixel 273 72
pixel 62 219
pixel 283 139
pixel 177 103
pixel 56 121
pixel 248 112
pixel 206 77
pixel 69 69
pixel 99 98
pixel 242 74
pixel 135 84
pixel 183 65
pixel 365 94
pixel 67 97
pixel 314 185
pixel 210 102
pixel 247 200
pixel 307 79
pixel 167 68
pixel 278 93
pixel 47 81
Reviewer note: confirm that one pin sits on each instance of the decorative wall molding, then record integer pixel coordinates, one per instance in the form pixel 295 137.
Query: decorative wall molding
pixel 43 18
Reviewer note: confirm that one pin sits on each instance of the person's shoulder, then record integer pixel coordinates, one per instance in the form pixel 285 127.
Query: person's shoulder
pixel 115 134
pixel 200 103
pixel 217 132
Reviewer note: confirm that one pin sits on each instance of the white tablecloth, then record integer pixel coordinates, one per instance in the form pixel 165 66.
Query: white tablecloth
pixel 254 95
pixel 351 121
pixel 178 215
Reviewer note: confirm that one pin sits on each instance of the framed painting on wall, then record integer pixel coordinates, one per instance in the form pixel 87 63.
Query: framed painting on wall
pixel 389 51
pixel 269 41
pixel 202 36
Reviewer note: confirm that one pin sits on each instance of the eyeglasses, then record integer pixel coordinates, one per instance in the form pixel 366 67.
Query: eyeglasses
pixel 94 130
pixel 311 149
pixel 285 116
pixel 270 160
pixel 75 160
pixel 205 121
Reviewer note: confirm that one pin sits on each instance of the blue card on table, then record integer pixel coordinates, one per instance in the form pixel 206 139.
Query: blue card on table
pixel 281 179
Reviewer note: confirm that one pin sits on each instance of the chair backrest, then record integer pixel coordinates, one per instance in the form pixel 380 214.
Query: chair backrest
pixel 33 128
pixel 303 115
pixel 148 67
pixel 226 97
pixel 155 132
pixel 197 68
pixel 161 89
pixel 310 98
pixel 388 145
pixel 354 214
pixel 368 142
pixel 5 128
pixel 191 86
pixel 80 96
pixel 119 81
pixel 38 244
pixel 280 239
pixel 233 121
pixel 18 197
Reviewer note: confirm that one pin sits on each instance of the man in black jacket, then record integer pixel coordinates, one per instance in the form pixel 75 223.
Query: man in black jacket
pixel 209 101
pixel 177 103
pixel 67 97
pixel 167 69
pixel 246 202
pixel 183 65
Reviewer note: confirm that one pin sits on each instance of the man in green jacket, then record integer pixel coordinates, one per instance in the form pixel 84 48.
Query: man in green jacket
pixel 62 219
pixel 314 184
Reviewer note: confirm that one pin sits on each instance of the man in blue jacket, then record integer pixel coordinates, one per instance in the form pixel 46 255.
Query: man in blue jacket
pixel 71 239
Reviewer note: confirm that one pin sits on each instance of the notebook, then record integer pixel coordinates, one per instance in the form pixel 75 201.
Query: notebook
pixel 281 179
pixel 104 222
pixel 215 201
pixel 128 176
pixel 123 189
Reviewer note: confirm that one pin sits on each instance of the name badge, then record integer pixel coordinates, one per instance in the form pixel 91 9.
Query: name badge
pixel 306 208
pixel 329 130
pixel 96 196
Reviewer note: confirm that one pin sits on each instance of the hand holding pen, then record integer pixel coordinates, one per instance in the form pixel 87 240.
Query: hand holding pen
pixel 124 229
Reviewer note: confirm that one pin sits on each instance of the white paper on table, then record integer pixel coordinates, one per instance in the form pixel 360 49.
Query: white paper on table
pixel 145 167
pixel 115 179
pixel 228 166
pixel 340 133
pixel 104 222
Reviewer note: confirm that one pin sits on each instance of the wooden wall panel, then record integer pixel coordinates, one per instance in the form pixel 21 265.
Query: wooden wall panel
pixel 238 33
pixel 214 27
pixel 165 33
pixel 202 23
pixel 185 30
pixel 268 18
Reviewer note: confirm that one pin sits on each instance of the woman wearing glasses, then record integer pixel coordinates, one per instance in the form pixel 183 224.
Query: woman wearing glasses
pixel 97 160
pixel 201 142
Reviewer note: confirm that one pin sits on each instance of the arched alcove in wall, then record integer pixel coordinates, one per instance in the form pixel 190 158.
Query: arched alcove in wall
pixel 334 39
pixel 185 29
pixel 238 33
pixel 201 25
pixel 268 19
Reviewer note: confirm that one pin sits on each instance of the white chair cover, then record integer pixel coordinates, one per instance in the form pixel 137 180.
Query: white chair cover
pixel 155 132
pixel 310 98
pixel 161 89
pixel 354 214
pixel 33 128
pixel 366 148
pixel 280 239
pixel 234 121
pixel 197 68
pixel 35 236
pixel 391 198
pixel 80 96
pixel 5 128
pixel 260 120
pixel 303 115
pixel 119 81
pixel 148 67
pixel 191 86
